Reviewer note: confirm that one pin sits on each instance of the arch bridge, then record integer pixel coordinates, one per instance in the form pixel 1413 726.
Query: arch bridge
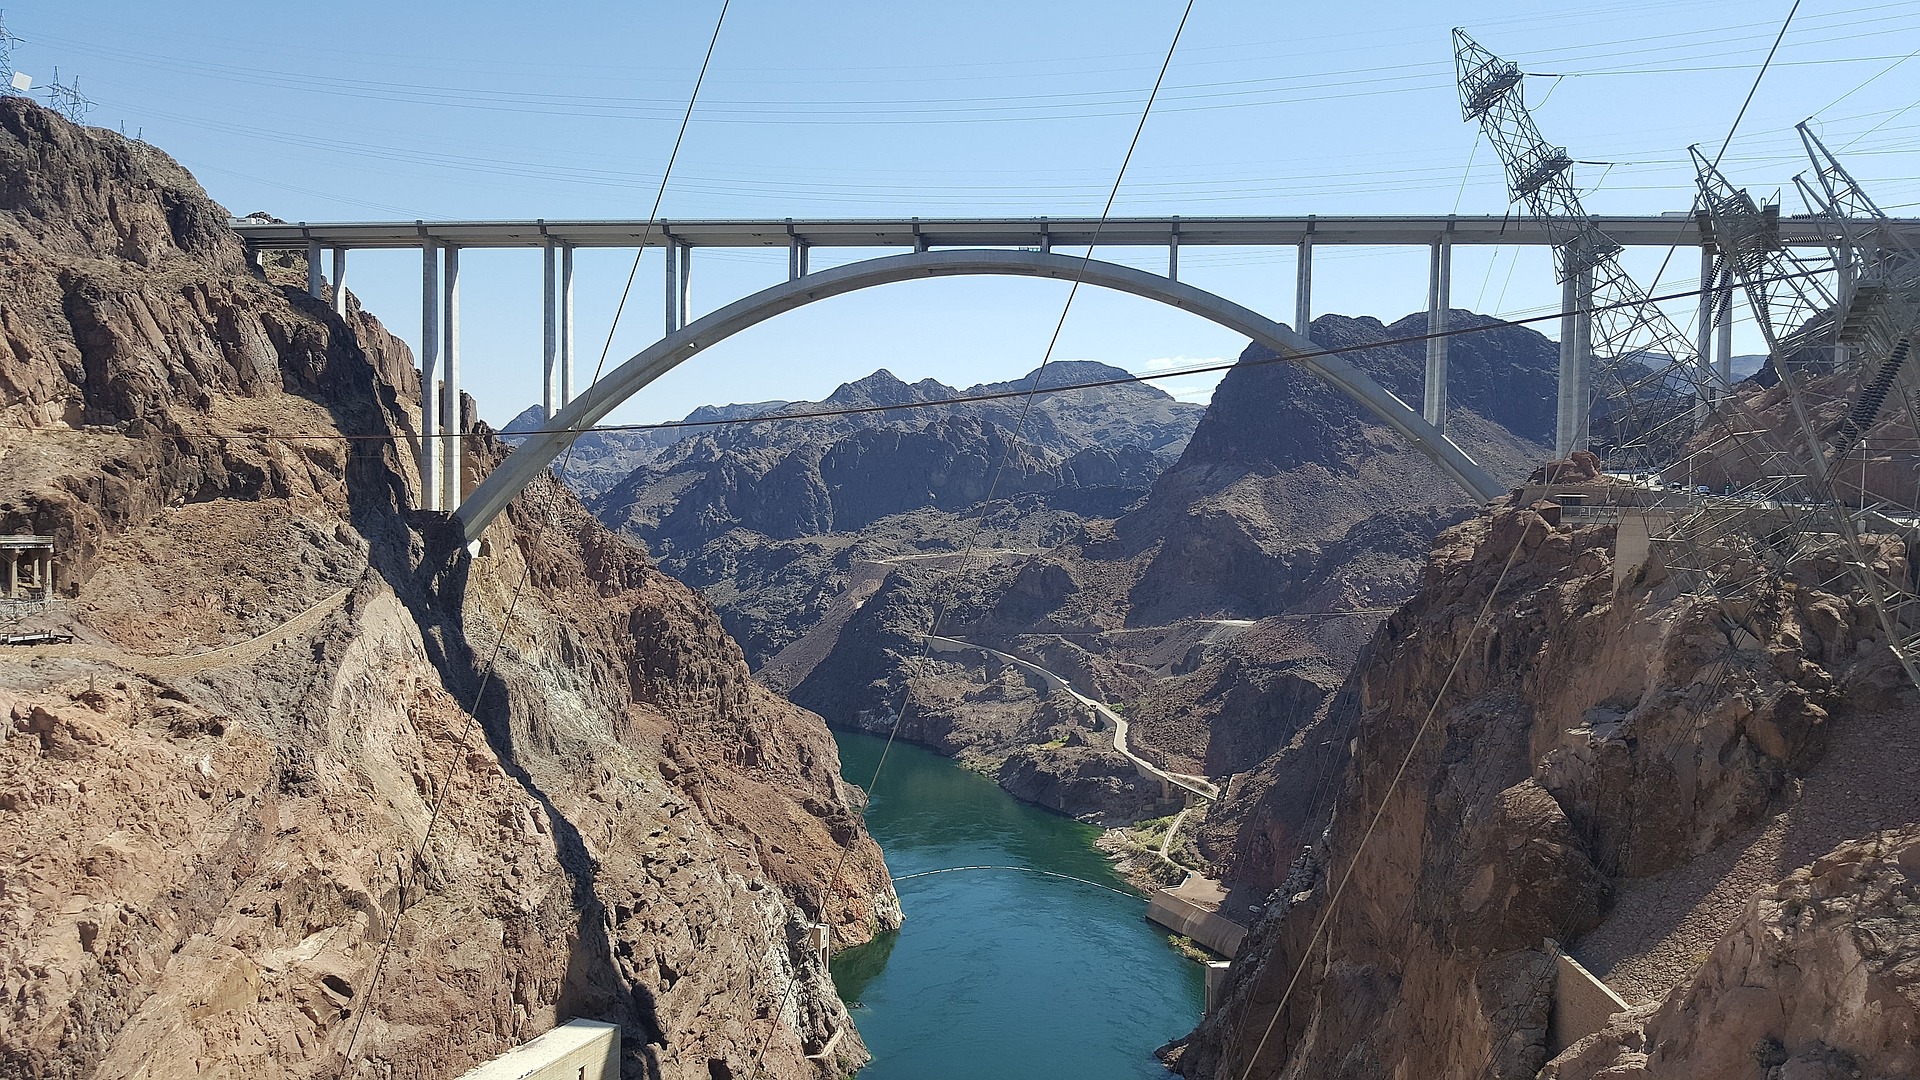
pixel 936 248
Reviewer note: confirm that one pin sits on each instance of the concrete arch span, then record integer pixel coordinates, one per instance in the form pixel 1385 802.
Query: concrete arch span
pixel 540 451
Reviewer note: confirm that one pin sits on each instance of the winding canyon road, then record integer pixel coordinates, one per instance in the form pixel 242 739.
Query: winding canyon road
pixel 1198 785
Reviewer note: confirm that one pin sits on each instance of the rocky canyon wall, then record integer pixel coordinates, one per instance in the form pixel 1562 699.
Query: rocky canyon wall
pixel 1532 758
pixel 302 734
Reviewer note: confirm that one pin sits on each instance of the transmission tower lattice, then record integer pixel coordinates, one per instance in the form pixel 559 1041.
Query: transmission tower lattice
pixel 1649 375
pixel 1737 545
pixel 67 100
pixel 1838 332
pixel 7 42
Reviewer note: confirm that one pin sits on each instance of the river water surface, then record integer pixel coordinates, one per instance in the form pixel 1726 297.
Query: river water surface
pixel 998 972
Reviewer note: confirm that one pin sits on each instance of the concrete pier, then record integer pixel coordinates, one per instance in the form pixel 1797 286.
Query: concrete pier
pixel 450 395
pixel 1703 332
pixel 1575 395
pixel 686 285
pixel 1439 298
pixel 1723 349
pixel 549 333
pixel 429 375
pixel 566 324
pixel 316 283
pixel 672 253
pixel 1303 286
pixel 340 282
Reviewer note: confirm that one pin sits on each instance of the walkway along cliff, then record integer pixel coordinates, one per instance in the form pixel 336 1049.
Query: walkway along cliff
pixel 240 788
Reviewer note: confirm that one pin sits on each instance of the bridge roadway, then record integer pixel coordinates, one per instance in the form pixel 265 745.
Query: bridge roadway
pixel 1641 230
pixel 440 244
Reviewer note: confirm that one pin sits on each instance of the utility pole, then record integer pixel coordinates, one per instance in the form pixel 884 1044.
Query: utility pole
pixel 67 100
pixel 11 82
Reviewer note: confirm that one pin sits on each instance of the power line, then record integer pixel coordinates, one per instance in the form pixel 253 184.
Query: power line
pixel 1333 902
pixel 1755 88
pixel 526 573
pixel 1006 453
pixel 962 399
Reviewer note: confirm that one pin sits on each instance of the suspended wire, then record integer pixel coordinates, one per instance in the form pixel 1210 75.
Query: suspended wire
pixel 1755 88
pixel 959 399
pixel 1731 128
pixel 1468 171
pixel 1006 454
pixel 1870 81
pixel 1380 811
pixel 1021 869
pixel 526 573
pixel 1878 126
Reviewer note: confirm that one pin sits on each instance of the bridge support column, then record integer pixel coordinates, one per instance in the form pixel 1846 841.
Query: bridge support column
pixel 340 282
pixel 1843 292
pixel 686 284
pixel 1576 381
pixel 1703 333
pixel 550 336
pixel 1439 299
pixel 429 375
pixel 566 324
pixel 672 251
pixel 797 254
pixel 1303 287
pixel 451 420
pixel 1173 252
pixel 1723 353
pixel 316 284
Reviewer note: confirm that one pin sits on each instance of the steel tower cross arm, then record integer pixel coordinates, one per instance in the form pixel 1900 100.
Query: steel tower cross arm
pixel 1644 362
pixel 1805 327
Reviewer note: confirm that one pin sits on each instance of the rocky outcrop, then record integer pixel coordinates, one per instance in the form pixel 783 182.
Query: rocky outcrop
pixel 1289 494
pixel 1528 742
pixel 306 736
pixel 1816 979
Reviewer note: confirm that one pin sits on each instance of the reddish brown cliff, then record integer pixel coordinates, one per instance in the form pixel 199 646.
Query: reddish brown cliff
pixel 302 733
pixel 1537 754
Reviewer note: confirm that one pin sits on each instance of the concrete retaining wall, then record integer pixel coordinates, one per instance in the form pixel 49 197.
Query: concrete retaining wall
pixel 578 1050
pixel 1581 1003
pixel 1208 928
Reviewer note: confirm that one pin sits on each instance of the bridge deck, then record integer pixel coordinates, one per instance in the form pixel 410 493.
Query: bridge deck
pixel 1657 230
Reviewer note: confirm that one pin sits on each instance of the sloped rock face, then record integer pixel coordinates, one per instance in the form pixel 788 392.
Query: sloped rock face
pixel 1526 739
pixel 1819 978
pixel 768 518
pixel 1286 481
pixel 305 737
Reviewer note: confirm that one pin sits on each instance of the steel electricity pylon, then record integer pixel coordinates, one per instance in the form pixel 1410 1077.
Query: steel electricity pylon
pixel 1628 369
pixel 1838 331
pixel 1735 545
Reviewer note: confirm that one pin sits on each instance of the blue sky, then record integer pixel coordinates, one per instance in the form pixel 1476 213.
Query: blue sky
pixel 355 110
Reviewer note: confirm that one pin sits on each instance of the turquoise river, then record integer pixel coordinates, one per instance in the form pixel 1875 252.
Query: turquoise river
pixel 999 972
